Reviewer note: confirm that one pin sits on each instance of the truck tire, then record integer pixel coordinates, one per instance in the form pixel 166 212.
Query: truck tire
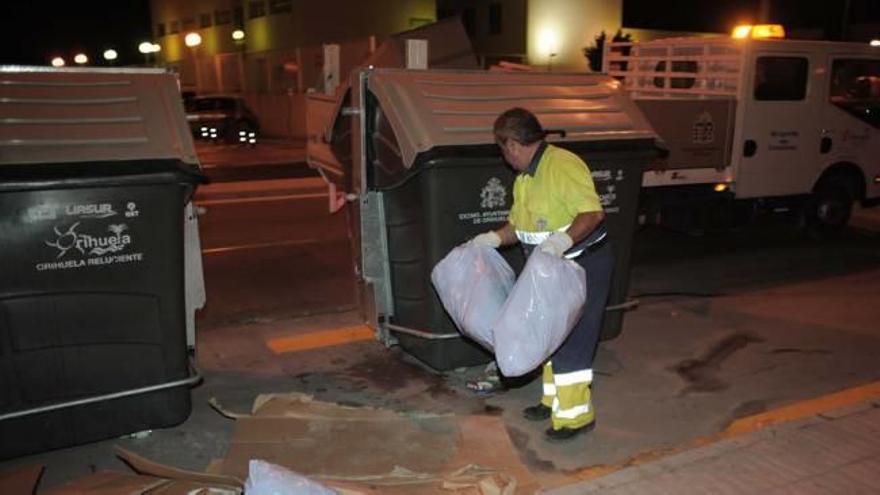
pixel 829 209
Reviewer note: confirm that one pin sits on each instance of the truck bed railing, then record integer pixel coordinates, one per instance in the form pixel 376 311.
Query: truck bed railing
pixel 676 67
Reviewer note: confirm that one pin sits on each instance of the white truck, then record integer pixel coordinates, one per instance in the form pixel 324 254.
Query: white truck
pixel 755 125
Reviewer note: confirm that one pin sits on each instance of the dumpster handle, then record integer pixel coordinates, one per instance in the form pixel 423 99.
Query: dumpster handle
pixel 420 333
pixel 194 378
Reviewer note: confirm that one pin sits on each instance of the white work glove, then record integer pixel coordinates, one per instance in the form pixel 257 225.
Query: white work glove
pixel 557 244
pixel 488 239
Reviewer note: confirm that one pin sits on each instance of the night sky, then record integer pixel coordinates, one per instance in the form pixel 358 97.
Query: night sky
pixel 34 30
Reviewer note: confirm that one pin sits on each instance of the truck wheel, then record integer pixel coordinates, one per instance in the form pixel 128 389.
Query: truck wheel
pixel 829 210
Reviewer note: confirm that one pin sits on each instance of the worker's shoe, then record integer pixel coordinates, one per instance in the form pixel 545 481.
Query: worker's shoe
pixel 538 412
pixel 564 433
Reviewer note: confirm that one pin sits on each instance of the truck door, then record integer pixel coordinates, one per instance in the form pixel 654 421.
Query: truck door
pixel 780 131
pixel 851 117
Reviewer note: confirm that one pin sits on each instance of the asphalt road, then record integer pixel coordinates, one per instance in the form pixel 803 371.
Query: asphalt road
pixel 272 250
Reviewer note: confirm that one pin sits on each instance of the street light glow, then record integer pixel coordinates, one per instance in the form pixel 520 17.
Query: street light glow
pixel 155 47
pixel 548 42
pixel 110 54
pixel 145 47
pixel 875 42
pixel 57 62
pixel 238 35
pixel 193 39
pixel 81 58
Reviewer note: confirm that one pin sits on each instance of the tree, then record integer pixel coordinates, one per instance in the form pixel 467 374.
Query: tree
pixel 594 53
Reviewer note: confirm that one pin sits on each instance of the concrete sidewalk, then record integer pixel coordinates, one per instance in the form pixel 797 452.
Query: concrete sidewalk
pixel 837 451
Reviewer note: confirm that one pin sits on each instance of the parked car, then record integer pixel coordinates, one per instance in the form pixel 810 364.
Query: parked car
pixel 222 117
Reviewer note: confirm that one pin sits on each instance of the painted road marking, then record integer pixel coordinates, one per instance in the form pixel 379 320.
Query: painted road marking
pixel 260 199
pixel 315 340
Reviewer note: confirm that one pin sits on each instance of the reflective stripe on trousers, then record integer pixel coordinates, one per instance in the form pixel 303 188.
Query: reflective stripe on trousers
pixel 568 397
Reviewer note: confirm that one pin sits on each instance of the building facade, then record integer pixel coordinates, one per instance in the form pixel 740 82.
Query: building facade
pixel 545 33
pixel 281 49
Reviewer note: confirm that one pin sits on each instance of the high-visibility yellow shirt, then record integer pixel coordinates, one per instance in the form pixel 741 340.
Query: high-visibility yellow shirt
pixel 555 189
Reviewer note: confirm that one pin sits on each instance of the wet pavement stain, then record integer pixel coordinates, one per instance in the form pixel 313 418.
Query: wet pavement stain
pixel 385 372
pixel 700 373
pixel 527 455
pixel 493 410
pixel 438 389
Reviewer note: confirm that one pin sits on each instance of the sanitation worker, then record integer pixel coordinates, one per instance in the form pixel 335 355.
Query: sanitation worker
pixel 556 210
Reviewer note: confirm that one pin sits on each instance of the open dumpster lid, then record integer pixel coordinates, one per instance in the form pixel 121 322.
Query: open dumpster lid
pixel 87 115
pixel 428 109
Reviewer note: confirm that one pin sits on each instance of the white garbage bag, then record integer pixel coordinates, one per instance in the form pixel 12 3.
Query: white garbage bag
pixel 540 312
pixel 265 478
pixel 473 282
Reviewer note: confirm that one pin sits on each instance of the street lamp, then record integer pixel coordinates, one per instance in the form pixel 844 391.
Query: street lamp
pixel 193 40
pixel 238 38
pixel 147 48
pixel 875 43
pixel 57 62
pixel 110 55
pixel 81 59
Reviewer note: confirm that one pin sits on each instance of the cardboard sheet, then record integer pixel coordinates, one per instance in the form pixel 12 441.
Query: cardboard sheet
pixel 401 453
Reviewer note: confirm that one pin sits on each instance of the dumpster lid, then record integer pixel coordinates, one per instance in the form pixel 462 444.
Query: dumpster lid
pixel 431 108
pixel 69 115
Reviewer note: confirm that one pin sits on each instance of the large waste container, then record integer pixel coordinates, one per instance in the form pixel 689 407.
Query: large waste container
pixel 433 178
pixel 94 182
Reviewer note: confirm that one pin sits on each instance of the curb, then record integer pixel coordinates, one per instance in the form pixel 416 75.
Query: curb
pixel 786 414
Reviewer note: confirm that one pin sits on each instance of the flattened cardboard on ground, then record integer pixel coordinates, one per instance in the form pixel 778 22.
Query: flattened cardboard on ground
pixel 22 480
pixel 398 452
pixel 152 478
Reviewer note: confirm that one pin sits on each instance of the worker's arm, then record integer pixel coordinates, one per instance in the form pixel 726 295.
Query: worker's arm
pixel 496 238
pixel 507 234
pixel 583 225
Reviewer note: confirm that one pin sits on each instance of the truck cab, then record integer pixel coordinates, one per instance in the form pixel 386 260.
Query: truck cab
pixel 760 122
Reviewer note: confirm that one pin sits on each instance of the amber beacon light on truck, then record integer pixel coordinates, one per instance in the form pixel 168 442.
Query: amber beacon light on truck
pixel 758 31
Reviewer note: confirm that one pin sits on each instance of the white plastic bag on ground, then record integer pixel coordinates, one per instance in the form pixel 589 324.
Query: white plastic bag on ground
pixel 540 312
pixel 265 478
pixel 473 282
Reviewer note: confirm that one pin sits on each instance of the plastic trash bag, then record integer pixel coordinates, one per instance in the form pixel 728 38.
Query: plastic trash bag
pixel 473 282
pixel 265 478
pixel 540 312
